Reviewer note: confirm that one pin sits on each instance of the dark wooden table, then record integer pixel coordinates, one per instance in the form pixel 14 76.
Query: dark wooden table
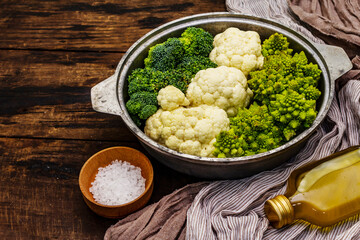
pixel 51 54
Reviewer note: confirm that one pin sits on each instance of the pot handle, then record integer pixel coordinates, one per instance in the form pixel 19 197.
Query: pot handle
pixel 336 59
pixel 103 97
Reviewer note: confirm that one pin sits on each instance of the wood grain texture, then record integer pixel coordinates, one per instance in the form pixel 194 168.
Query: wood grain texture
pixel 89 25
pixel 46 94
pixel 40 196
pixel 51 54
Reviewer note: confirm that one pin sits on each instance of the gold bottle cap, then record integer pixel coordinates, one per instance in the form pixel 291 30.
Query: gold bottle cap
pixel 279 211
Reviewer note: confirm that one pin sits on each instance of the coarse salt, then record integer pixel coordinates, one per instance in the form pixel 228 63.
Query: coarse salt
pixel 118 183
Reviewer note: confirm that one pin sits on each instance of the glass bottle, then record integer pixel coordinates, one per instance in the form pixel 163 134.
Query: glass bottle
pixel 322 193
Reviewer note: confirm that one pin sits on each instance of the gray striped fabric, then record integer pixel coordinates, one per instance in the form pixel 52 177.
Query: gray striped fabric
pixel 276 10
pixel 234 209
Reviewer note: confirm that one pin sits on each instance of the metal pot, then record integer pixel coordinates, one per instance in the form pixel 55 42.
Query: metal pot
pixel 110 95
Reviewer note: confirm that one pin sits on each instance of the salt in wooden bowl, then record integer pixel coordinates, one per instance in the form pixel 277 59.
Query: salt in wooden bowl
pixel 103 159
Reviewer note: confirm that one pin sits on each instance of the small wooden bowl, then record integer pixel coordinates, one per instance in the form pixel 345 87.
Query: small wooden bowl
pixel 104 158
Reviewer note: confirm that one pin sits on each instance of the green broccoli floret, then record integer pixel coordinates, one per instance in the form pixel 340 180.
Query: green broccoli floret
pixel 179 79
pixel 173 62
pixel 136 120
pixel 197 41
pixel 194 64
pixel 147 80
pixel 150 81
pixel 144 84
pixel 147 111
pixel 187 69
pixel 275 44
pixel 251 131
pixel 165 56
pixel 142 105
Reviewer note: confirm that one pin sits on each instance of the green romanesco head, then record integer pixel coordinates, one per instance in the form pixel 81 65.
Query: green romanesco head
pixel 293 112
pixel 311 93
pixel 283 71
pixel 252 131
pixel 284 102
pixel 311 70
pixel 275 44
pixel 300 58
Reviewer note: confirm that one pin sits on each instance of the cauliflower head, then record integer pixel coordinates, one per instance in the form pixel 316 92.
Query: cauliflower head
pixel 239 49
pixel 191 130
pixel 171 97
pixel 224 87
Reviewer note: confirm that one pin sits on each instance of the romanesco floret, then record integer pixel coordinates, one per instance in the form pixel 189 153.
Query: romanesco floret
pixel 285 94
pixel 311 70
pixel 287 85
pixel 252 131
pixel 311 93
pixel 292 112
pixel 275 44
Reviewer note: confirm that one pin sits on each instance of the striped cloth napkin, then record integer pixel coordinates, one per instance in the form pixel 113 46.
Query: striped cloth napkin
pixel 233 209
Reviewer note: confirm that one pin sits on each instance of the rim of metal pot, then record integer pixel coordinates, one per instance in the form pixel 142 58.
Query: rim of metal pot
pixel 197 19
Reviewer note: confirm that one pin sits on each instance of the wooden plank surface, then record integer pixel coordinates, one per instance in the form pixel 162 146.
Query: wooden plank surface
pixel 40 196
pixel 89 25
pixel 51 54
pixel 46 94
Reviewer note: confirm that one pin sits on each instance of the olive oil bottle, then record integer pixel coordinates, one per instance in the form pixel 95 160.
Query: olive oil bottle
pixel 322 193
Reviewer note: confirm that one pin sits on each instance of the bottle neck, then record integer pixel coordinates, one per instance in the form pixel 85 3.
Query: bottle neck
pixel 279 211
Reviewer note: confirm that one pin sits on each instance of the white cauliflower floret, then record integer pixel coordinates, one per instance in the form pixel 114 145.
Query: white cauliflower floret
pixel 237 48
pixel 225 87
pixel 191 130
pixel 171 97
